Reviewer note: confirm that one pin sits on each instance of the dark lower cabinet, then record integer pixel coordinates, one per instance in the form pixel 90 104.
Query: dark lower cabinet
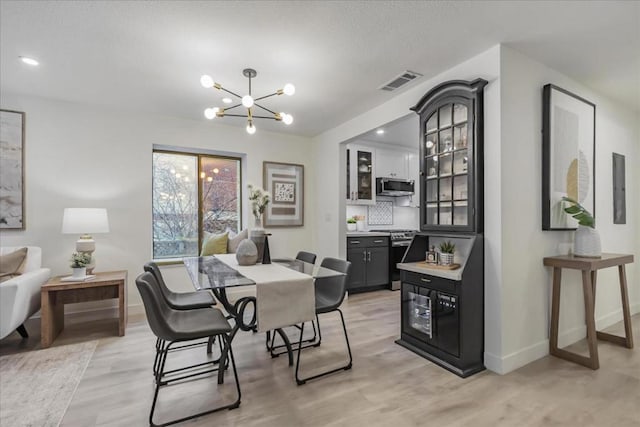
pixel 369 259
pixel 443 319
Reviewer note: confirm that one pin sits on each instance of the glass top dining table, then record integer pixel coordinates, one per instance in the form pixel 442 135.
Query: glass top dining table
pixel 208 272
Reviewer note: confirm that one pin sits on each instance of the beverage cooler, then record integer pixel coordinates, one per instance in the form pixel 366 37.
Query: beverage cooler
pixel 431 317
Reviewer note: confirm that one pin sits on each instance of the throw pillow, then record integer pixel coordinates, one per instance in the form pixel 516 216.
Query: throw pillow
pixel 10 264
pixel 232 245
pixel 215 244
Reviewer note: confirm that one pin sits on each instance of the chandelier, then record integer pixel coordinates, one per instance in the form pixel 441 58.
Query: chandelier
pixel 247 101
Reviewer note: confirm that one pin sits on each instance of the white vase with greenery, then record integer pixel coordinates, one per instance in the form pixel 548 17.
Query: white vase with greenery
pixel 447 249
pixel 79 262
pixel 586 241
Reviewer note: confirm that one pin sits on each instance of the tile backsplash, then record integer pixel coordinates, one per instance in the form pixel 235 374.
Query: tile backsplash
pixel 403 217
pixel 380 214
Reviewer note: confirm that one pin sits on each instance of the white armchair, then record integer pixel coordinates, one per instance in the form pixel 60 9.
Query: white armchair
pixel 20 295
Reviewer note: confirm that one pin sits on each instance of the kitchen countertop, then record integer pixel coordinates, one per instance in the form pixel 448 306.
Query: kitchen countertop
pixel 422 269
pixel 366 234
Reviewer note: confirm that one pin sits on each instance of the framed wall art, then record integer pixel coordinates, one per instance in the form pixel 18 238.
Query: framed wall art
pixel 619 189
pixel 12 211
pixel 285 182
pixel 568 155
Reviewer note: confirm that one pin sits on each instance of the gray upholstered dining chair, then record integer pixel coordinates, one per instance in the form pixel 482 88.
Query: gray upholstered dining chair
pixel 306 257
pixel 329 292
pixel 178 326
pixel 179 300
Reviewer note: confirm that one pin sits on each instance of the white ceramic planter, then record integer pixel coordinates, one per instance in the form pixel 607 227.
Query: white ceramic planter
pixel 351 226
pixel 446 259
pixel 586 242
pixel 79 273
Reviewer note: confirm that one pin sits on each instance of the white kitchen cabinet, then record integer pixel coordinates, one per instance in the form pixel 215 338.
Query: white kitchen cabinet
pixel 361 175
pixel 392 164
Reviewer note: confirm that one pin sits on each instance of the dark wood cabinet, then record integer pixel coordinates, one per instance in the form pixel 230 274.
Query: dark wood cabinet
pixel 443 311
pixel 451 132
pixel 369 257
pixel 443 317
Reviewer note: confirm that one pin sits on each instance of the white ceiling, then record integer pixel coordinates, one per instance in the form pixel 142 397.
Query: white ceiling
pixel 148 56
pixel 404 131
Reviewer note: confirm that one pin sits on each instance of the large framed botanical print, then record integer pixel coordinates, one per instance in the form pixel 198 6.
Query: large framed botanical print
pixel 568 156
pixel 285 182
pixel 12 170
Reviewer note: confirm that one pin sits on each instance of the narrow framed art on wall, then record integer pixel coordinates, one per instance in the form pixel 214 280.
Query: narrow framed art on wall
pixel 568 155
pixel 285 182
pixel 12 209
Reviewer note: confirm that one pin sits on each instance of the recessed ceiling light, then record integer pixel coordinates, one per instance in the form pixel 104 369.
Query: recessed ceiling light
pixel 380 131
pixel 29 61
pixel 227 100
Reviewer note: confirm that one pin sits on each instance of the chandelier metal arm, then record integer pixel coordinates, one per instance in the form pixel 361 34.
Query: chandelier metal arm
pixel 233 106
pixel 264 108
pixel 229 92
pixel 266 96
pixel 246 116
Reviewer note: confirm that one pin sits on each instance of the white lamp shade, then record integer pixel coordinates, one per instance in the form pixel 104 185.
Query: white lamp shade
pixel 85 220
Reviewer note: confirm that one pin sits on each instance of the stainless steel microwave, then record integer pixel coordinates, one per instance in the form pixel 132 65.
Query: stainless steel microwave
pixel 394 187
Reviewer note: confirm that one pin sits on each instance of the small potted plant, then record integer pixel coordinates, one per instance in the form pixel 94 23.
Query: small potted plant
pixel 586 242
pixel 447 249
pixel 351 224
pixel 79 262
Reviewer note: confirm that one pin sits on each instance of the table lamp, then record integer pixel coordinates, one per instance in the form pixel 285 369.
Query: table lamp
pixel 84 221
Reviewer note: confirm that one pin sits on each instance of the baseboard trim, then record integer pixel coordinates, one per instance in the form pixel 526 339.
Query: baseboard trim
pixel 522 357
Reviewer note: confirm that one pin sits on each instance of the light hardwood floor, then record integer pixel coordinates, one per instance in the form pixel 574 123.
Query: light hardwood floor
pixel 388 385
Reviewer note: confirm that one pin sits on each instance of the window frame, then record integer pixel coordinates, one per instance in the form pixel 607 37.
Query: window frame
pixel 198 155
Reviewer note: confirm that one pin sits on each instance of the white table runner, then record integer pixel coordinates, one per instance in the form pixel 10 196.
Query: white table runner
pixel 283 296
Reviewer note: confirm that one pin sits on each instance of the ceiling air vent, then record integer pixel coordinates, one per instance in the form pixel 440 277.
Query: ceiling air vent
pixel 401 80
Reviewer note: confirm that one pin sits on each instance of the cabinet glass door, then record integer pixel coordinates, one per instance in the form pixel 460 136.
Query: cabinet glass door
pixel 365 175
pixel 419 306
pixel 446 166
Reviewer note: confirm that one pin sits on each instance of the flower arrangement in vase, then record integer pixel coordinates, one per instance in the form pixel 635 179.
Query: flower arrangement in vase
pixel 79 262
pixel 259 200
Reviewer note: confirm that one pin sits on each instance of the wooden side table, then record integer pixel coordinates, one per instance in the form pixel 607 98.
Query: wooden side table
pixel 589 268
pixel 55 294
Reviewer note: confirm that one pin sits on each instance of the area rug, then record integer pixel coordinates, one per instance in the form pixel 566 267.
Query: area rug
pixel 36 387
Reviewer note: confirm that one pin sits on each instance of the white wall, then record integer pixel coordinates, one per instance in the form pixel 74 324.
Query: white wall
pixel 82 156
pixel 329 233
pixel 526 283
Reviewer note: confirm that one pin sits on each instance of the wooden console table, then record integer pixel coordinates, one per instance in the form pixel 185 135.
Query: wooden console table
pixel 55 294
pixel 589 268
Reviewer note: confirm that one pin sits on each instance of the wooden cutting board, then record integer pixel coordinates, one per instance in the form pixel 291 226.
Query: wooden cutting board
pixel 438 266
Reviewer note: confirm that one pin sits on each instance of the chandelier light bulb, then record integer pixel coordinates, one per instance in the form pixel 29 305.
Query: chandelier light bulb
pixel 210 113
pixel 289 89
pixel 206 81
pixel 247 101
pixel 227 100
pixel 251 129
pixel 287 119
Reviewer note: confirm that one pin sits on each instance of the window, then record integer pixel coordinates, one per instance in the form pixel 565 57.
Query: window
pixel 193 194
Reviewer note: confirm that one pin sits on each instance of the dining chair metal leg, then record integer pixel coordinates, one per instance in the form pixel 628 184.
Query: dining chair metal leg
pixel 272 347
pixel 160 382
pixel 301 381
